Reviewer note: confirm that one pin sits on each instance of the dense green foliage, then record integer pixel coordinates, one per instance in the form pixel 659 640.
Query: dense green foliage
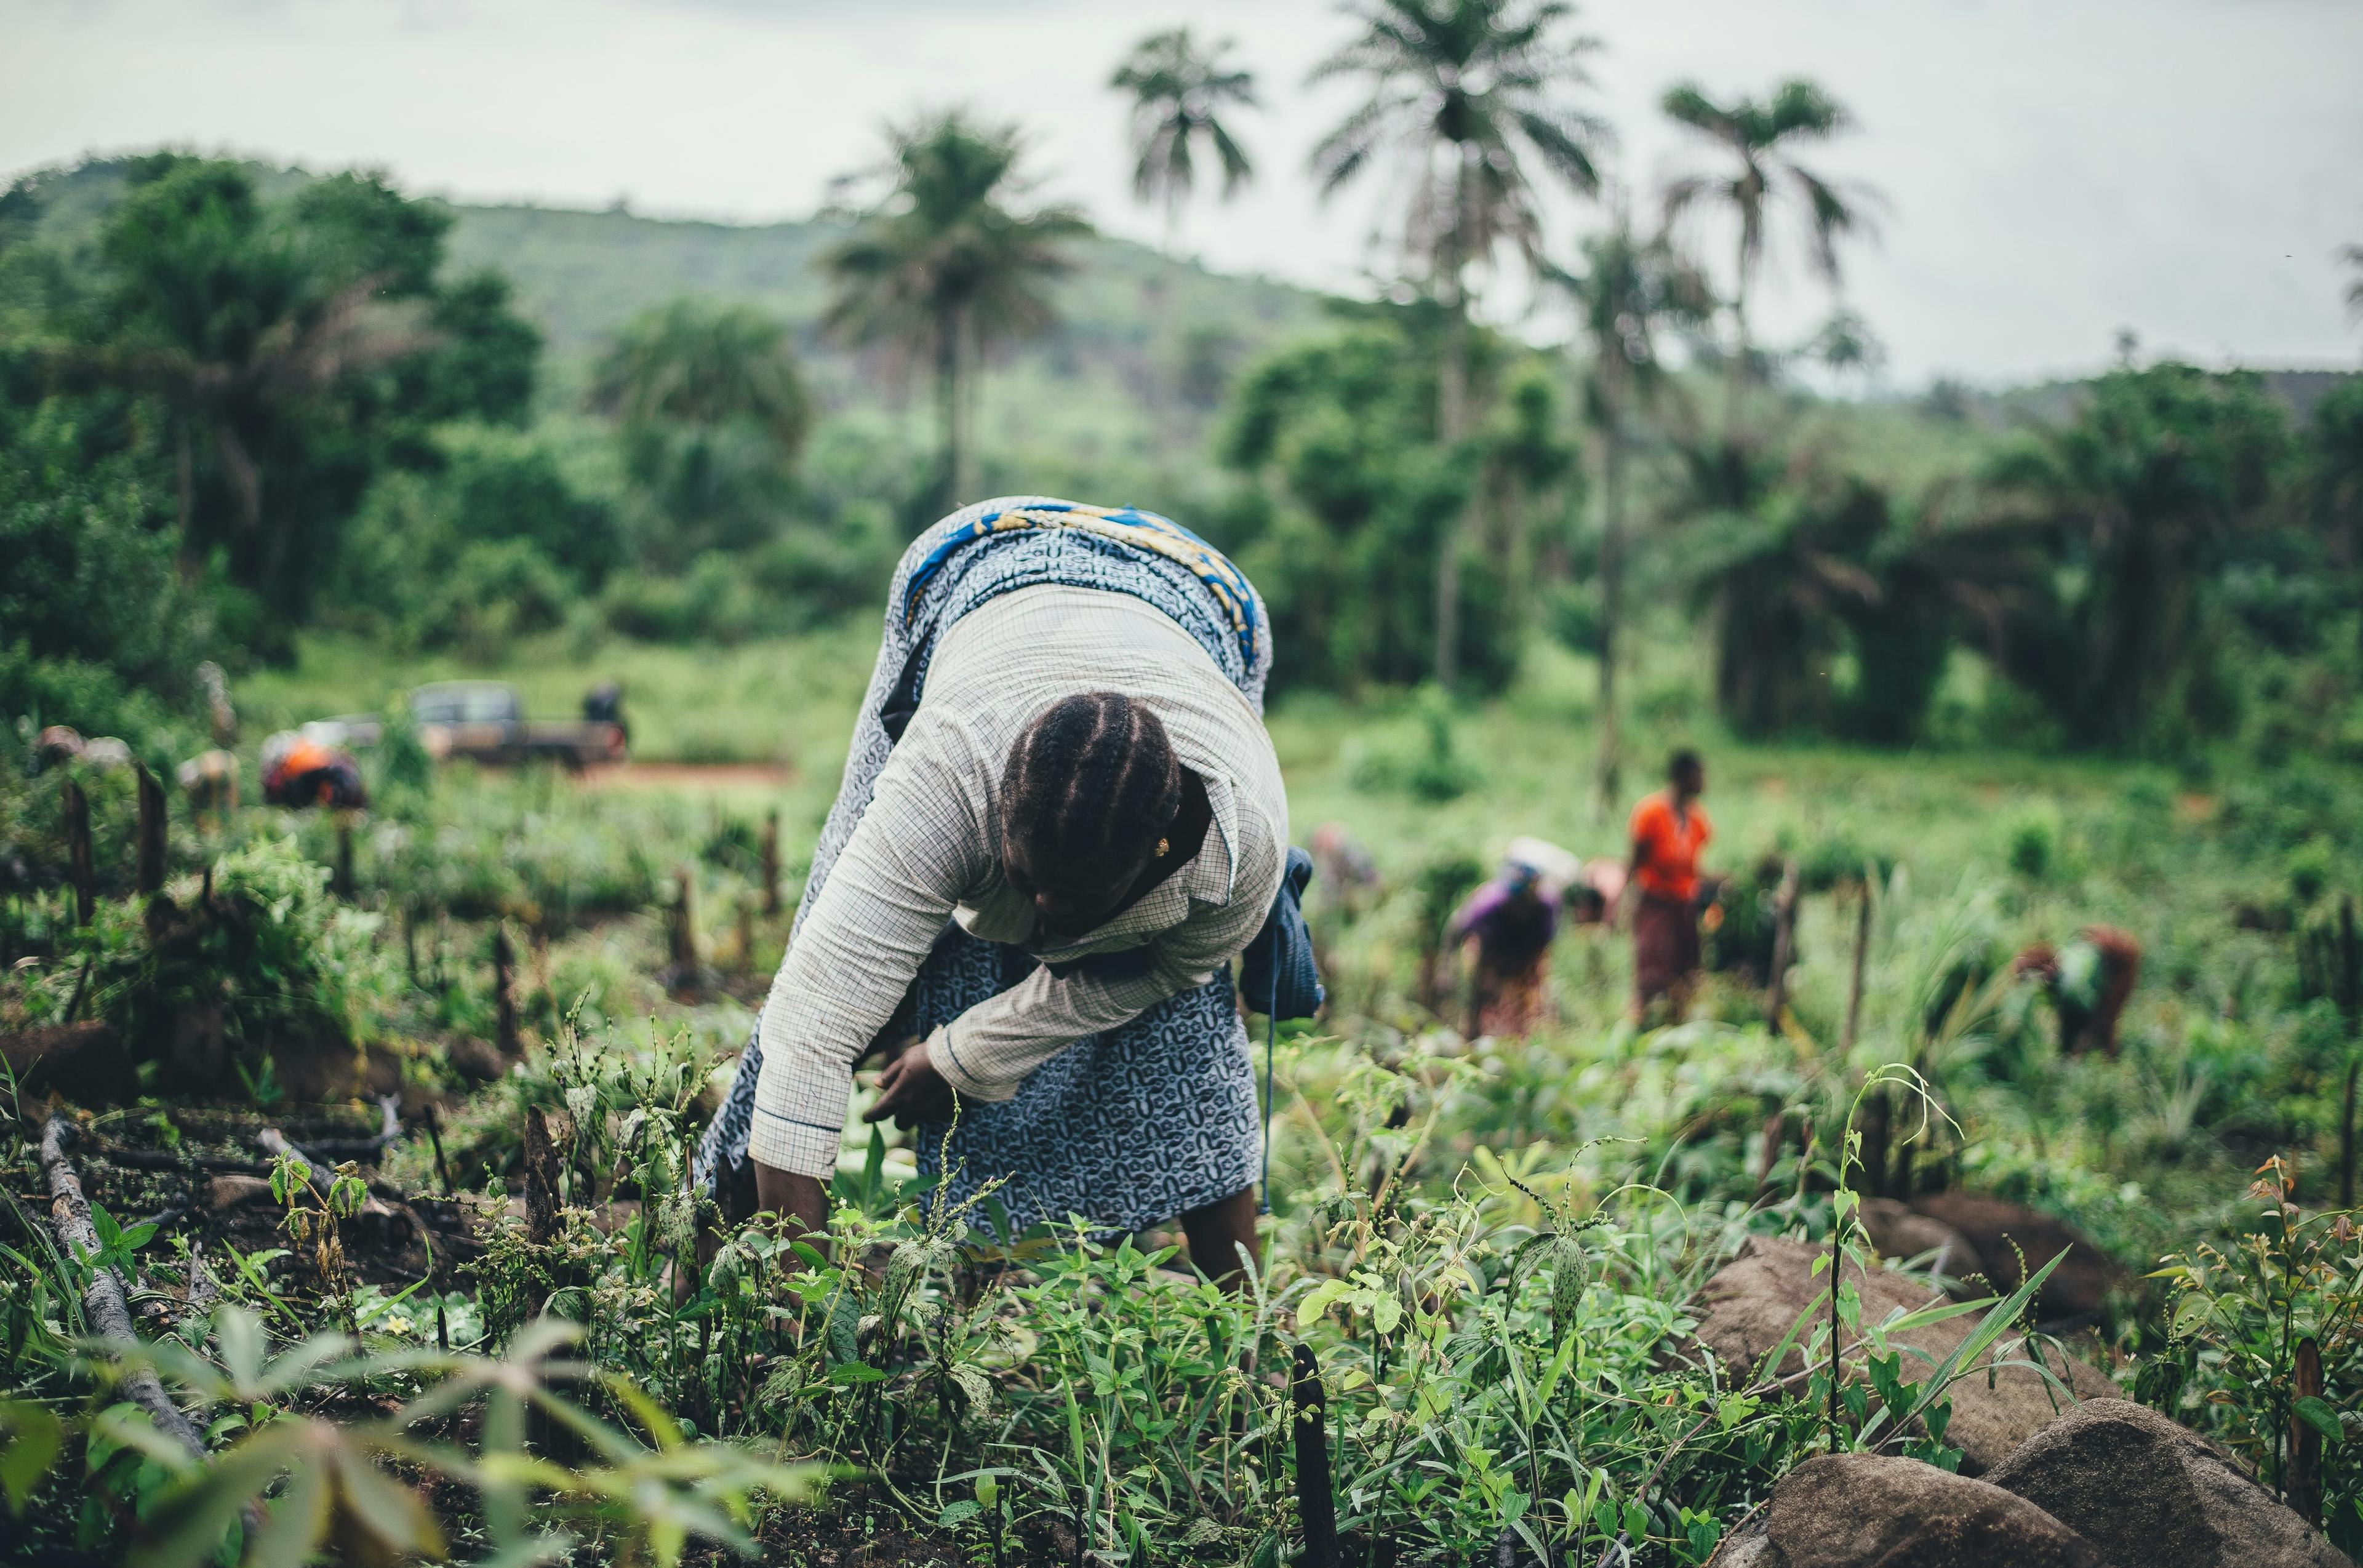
pixel 1486 1244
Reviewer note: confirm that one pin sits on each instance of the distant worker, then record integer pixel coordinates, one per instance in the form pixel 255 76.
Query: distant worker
pixel 209 780
pixel 1598 887
pixel 1342 870
pixel 2089 981
pixel 1668 832
pixel 298 771
pixel 604 704
pixel 1511 921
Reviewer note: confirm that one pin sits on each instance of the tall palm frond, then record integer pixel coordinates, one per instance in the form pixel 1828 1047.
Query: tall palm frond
pixel 1759 179
pixel 1468 95
pixel 943 266
pixel 1179 94
pixel 691 363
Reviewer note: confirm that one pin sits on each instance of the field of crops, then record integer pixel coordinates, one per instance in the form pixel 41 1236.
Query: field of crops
pixel 383 1126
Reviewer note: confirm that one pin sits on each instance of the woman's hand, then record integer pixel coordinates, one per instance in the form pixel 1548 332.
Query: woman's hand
pixel 911 1091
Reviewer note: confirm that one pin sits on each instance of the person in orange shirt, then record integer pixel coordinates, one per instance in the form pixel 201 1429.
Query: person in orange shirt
pixel 1668 831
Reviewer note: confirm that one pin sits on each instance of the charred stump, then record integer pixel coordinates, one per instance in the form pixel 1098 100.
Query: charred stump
pixel 1316 1503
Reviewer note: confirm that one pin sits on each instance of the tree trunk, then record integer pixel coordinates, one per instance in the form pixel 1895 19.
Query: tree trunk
pixel 1452 425
pixel 948 403
pixel 1612 576
pixel 1452 419
pixel 964 381
pixel 1735 381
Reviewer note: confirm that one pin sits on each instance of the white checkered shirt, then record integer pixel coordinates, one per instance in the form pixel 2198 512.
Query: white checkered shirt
pixel 928 847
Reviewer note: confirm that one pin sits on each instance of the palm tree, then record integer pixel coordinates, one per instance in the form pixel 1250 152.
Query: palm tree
pixel 1468 93
pixel 1628 287
pixel 712 414
pixel 943 266
pixel 2352 256
pixel 1762 178
pixel 236 328
pixel 1177 93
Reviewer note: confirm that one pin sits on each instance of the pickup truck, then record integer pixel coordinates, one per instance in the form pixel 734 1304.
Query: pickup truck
pixel 483 721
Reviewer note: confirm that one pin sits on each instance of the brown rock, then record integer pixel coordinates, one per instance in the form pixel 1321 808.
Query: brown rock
pixel 1748 1306
pixel 315 1071
pixel 1860 1510
pixel 84 1062
pixel 475 1061
pixel 2149 1493
pixel 230 1192
pixel 196 1052
pixel 2078 1287
pixel 1901 1234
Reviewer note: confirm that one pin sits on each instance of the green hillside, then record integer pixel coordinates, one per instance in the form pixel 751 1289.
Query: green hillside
pixel 1145 347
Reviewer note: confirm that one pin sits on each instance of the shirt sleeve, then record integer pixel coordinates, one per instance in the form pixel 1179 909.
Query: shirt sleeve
pixel 859 946
pixel 988 1051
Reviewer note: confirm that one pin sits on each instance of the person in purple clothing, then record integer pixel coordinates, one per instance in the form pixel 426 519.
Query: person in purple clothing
pixel 1511 921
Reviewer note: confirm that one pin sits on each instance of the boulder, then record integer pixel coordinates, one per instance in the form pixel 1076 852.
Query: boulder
pixel 1902 1233
pixel 85 1063
pixel 1752 1302
pixel 1861 1510
pixel 2150 1494
pixel 235 1190
pixel 2078 1287
pixel 475 1059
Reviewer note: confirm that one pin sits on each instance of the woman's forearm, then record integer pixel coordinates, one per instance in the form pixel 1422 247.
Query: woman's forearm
pixel 803 1200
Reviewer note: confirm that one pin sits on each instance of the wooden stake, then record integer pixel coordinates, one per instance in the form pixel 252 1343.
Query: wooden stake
pixel 78 857
pixel 1316 1504
pixel 435 1141
pixel 2304 1481
pixel 1861 956
pixel 341 881
pixel 504 1002
pixel 2350 1003
pixel 1784 926
pixel 151 833
pixel 770 865
pixel 681 938
pixel 540 1179
pixel 1875 1117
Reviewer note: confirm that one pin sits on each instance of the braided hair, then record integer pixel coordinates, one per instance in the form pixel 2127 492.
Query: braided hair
pixel 1091 784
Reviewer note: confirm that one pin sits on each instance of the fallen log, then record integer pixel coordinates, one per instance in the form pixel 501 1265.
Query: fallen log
pixel 103 1298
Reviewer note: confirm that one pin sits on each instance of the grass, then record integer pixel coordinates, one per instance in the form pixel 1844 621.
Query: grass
pixel 1487 1245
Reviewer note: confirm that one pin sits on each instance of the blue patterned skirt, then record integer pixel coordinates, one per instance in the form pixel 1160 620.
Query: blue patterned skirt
pixel 1127 1128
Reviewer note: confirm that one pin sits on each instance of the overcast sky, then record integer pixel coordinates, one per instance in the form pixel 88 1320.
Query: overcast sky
pixel 2054 170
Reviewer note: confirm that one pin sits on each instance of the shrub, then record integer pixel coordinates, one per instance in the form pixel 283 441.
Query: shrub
pixel 2032 844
